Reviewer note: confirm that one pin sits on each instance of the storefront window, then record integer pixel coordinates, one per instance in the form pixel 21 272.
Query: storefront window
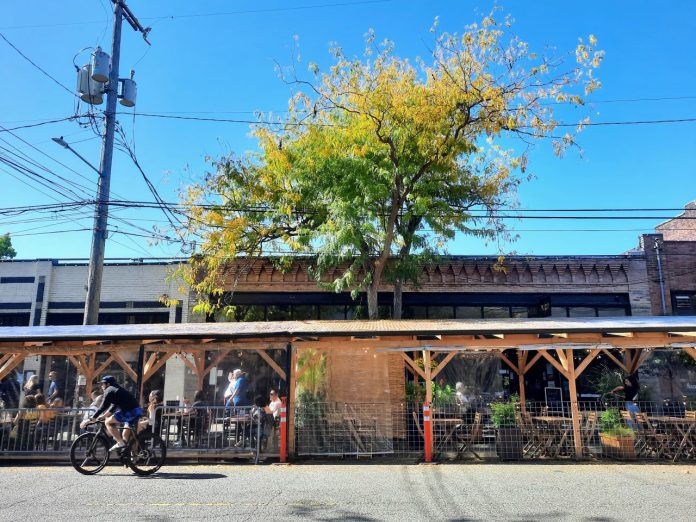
pixel 441 312
pixel 496 312
pixel 468 312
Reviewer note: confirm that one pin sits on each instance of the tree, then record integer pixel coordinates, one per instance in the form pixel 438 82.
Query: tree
pixel 6 250
pixel 380 159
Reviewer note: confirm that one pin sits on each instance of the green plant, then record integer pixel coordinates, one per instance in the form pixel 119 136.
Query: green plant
pixel 442 393
pixel 503 414
pixel 610 424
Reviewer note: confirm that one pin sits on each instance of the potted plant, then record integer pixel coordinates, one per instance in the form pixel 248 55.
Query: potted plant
pixel 508 440
pixel 617 440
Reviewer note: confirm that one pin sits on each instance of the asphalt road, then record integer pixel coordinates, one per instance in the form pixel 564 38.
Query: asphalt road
pixel 354 492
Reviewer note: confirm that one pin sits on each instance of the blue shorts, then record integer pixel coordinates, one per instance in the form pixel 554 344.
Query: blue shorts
pixel 126 417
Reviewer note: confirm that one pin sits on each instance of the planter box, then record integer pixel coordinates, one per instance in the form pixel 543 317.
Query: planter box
pixel 509 444
pixel 618 447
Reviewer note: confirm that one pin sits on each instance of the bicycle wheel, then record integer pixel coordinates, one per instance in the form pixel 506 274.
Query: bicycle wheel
pixel 146 453
pixel 89 453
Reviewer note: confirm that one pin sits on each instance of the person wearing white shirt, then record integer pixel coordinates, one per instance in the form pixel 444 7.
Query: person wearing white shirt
pixel 274 405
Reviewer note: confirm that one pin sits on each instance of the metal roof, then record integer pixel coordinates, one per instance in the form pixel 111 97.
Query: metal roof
pixel 294 329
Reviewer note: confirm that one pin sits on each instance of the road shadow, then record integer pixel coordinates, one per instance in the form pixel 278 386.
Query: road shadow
pixel 184 476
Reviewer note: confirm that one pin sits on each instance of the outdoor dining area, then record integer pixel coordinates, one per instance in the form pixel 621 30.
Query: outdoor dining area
pixel 391 389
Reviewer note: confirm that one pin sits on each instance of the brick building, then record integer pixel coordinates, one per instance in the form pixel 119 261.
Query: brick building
pixel 658 277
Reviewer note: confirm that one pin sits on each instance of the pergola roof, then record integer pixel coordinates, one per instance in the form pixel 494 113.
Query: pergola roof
pixel 298 329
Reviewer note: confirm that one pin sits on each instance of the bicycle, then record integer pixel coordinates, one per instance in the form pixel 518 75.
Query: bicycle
pixel 144 453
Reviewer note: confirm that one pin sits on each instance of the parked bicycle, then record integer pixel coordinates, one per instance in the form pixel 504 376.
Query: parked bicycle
pixel 144 453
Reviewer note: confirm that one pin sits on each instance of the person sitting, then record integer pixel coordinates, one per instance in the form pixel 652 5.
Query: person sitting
pixel 274 405
pixel 45 415
pixel 198 420
pixel 154 412
pixel 24 423
pixel 259 414
pixel 118 406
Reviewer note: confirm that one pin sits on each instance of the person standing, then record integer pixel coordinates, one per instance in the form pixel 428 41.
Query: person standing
pixel 52 386
pixel 274 404
pixel 630 389
pixel 32 386
pixel 229 391
pixel 239 397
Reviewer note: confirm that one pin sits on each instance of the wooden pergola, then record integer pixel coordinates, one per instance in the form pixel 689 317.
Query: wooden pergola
pixel 627 341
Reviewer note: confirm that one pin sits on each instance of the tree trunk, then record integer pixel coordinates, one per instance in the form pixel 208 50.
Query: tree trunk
pixel 398 298
pixel 372 306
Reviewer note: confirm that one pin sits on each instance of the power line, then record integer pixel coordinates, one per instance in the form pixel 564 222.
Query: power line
pixel 37 66
pixel 202 15
pixel 45 122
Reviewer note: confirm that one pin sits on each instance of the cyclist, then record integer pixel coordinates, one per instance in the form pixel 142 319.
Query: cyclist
pixel 118 406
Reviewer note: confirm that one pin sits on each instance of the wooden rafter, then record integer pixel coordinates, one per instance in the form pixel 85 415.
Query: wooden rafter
pixel 615 359
pixel 411 364
pixel 156 366
pixel 269 360
pixel 691 351
pixel 562 357
pixel 532 362
pixel 507 361
pixel 586 362
pixel 10 364
pixel 546 355
pixel 443 363
pixel 118 359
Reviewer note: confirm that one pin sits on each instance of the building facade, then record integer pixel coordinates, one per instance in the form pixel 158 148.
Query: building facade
pixel 657 278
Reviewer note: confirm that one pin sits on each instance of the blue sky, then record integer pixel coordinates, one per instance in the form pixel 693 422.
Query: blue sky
pixel 223 65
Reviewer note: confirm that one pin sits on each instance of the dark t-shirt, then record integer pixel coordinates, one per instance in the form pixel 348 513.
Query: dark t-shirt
pixel 631 389
pixel 116 397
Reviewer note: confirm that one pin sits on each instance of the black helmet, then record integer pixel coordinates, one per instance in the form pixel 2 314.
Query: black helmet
pixel 108 379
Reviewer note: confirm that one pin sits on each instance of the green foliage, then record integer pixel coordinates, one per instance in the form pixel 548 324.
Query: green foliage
pixel 380 159
pixel 610 424
pixel 442 393
pixel 312 382
pixel 6 250
pixel 503 414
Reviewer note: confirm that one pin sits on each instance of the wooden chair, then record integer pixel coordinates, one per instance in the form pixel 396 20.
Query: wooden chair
pixel 533 443
pixel 468 434
pixel 588 430
pixel 656 443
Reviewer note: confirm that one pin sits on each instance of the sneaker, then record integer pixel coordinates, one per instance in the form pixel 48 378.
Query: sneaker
pixel 117 446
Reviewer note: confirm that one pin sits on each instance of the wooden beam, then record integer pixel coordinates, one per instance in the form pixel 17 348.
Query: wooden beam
pixel 508 362
pixel 691 351
pixel 586 361
pixel 428 377
pixel 521 363
pixel 443 363
pixel 150 361
pixel 575 413
pixel 411 364
pixel 546 355
pixel 10 364
pixel 217 360
pixel 5 358
pixel 269 360
pixel 562 358
pixel 185 359
pixel 161 362
pixel 118 358
pixel 615 359
pixel 643 357
pixel 531 363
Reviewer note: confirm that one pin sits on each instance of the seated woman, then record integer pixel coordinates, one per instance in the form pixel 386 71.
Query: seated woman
pixel 24 424
pixel 154 412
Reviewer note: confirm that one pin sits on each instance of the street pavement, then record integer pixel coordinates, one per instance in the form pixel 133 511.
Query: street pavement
pixel 348 491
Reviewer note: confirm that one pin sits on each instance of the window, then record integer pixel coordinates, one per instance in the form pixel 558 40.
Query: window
pixel 611 312
pixel 332 313
pixel 414 312
pixel 14 319
pixel 496 312
pixel 581 311
pixel 520 311
pixel 278 313
pixel 559 311
pixel 304 312
pixel 684 303
pixel 468 312
pixel 441 312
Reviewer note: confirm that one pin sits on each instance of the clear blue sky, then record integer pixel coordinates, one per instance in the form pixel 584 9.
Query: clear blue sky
pixel 222 65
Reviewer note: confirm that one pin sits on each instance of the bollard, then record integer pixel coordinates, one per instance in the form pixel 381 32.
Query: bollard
pixel 427 431
pixel 283 431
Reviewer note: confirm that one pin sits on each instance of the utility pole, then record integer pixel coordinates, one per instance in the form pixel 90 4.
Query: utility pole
pixel 101 212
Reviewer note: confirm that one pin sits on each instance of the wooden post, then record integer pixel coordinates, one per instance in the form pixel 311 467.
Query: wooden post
pixel 428 425
pixel 521 362
pixel 575 413
pixel 292 354
pixel 139 372
pixel 283 431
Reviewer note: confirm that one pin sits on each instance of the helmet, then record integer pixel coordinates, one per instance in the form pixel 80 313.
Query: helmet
pixel 108 379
